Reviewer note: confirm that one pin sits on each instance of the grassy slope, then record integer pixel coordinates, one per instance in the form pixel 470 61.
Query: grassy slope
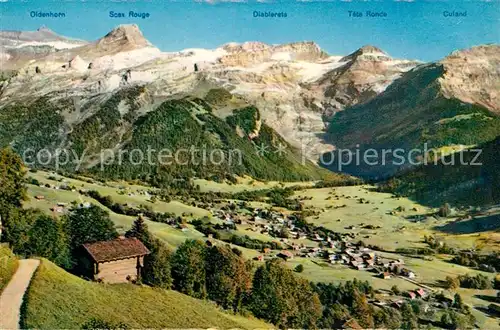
pixel 8 266
pixel 171 236
pixel 460 183
pixel 396 231
pixel 59 300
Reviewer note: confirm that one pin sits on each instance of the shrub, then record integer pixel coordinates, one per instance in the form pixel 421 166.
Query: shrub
pixel 299 268
pixel 452 283
pixel 479 281
pixel 395 290
pixel 96 323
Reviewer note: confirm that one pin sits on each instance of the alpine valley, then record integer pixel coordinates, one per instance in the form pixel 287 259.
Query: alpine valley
pixel 276 230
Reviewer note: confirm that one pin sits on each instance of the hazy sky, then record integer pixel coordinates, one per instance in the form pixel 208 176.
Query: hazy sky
pixel 416 30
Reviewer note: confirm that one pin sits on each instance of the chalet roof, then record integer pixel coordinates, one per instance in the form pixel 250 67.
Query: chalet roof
pixel 286 253
pixel 420 292
pixel 116 249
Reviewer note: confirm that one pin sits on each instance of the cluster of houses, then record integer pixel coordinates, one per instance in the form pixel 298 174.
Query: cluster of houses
pixel 362 258
pixel 336 248
pixel 58 208
pixel 398 303
pixel 61 207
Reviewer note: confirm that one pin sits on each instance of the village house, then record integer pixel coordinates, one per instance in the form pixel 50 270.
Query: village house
pixel 408 273
pixel 114 261
pixel 285 255
pixel 57 209
pixel 397 304
pixel 259 258
pixel 421 293
pixel 385 275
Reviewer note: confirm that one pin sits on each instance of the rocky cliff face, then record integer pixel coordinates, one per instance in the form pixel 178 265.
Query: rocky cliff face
pixel 252 53
pixel 473 76
pixel 297 87
pixel 19 47
pixel 123 38
pixel 449 105
pixel 364 74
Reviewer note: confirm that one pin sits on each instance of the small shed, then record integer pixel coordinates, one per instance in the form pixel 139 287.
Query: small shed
pixel 114 261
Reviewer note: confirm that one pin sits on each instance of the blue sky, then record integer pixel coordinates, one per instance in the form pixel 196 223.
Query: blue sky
pixel 416 30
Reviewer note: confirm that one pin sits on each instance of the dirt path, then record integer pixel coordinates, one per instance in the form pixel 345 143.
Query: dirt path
pixel 419 284
pixel 12 296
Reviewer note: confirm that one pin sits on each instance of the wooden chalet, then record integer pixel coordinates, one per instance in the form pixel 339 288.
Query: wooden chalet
pixel 285 255
pixel 114 261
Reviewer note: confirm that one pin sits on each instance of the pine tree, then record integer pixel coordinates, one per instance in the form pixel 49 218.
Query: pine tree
pixel 140 230
pixel 458 302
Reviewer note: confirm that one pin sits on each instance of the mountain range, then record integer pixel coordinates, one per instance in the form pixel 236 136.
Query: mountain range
pixel 60 92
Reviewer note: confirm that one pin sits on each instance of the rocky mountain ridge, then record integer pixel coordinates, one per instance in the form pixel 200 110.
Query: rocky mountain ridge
pixel 297 87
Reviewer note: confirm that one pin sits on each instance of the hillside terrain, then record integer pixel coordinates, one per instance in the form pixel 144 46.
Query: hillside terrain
pixel 470 177
pixel 392 224
pixel 58 299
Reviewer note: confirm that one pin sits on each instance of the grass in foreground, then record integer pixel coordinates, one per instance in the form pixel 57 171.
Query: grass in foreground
pixel 59 300
pixel 8 266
